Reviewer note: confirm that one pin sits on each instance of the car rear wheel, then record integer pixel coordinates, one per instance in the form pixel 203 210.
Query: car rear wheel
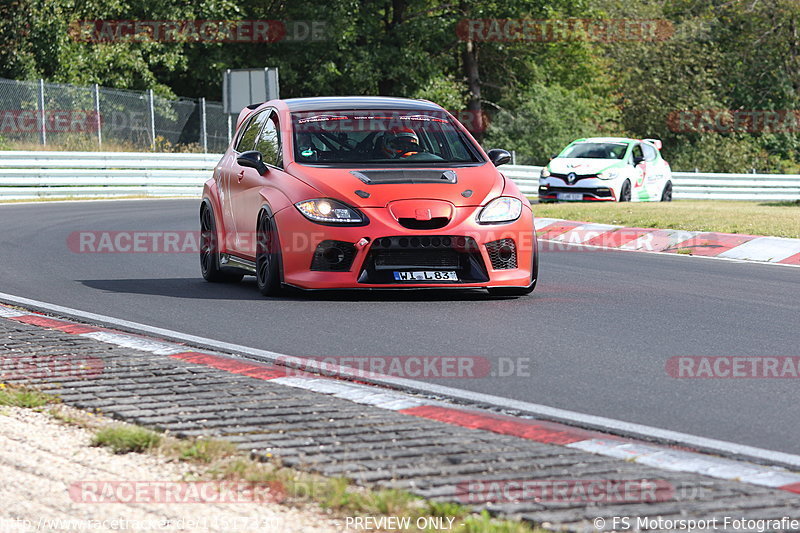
pixel 625 192
pixel 666 196
pixel 268 258
pixel 209 251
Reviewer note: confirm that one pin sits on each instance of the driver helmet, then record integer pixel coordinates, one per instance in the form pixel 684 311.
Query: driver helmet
pixel 400 142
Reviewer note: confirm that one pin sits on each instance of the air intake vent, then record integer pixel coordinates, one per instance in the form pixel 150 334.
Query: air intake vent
pixel 434 223
pixel 386 177
pixel 502 253
pixel 333 256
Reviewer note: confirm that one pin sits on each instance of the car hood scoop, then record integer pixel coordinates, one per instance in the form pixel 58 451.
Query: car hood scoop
pixel 408 176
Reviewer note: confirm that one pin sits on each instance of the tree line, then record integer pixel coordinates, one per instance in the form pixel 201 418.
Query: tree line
pixel 717 80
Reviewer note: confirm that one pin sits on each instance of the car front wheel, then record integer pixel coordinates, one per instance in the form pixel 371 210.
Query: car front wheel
pixel 268 257
pixel 625 192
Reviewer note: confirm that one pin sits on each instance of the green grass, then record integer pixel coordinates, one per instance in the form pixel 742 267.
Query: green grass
pixel 13 396
pixel 779 219
pixel 125 438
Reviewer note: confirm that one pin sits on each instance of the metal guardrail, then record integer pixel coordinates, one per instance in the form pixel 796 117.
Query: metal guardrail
pixel 695 185
pixel 29 175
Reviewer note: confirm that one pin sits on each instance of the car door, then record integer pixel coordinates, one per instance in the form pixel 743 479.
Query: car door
pixel 230 174
pixel 246 188
pixel 638 189
pixel 653 173
pixel 235 176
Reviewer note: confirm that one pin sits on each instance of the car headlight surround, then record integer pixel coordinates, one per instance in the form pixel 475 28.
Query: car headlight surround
pixel 500 210
pixel 545 173
pixel 609 174
pixel 329 211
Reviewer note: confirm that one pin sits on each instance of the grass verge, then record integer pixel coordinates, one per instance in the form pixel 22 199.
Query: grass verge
pixel 218 460
pixel 14 396
pixel 778 219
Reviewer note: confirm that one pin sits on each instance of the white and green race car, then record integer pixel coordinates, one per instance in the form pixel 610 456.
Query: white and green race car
pixel 607 169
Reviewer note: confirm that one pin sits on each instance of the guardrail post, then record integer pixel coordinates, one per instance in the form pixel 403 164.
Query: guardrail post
pixel 42 121
pixel 151 97
pixel 97 115
pixel 513 157
pixel 203 126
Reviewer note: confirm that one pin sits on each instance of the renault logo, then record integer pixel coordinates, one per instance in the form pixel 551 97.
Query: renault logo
pixel 571 177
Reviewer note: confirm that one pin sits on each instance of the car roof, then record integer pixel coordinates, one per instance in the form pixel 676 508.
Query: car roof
pixel 605 140
pixel 330 103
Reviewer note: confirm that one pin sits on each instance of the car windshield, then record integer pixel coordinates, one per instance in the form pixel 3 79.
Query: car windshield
pixel 380 137
pixel 596 151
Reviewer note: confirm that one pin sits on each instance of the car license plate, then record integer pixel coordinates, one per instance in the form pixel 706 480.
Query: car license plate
pixel 428 275
pixel 570 196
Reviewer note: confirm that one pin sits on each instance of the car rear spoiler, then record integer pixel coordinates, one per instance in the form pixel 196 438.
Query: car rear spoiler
pixel 654 142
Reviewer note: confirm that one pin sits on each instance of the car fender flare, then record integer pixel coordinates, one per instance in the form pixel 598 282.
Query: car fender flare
pixel 211 199
pixel 274 199
pixel 266 208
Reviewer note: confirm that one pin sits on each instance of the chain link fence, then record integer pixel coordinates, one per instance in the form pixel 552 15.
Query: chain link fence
pixel 69 117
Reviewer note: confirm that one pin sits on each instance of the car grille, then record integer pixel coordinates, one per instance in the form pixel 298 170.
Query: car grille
pixel 416 259
pixel 596 191
pixel 428 252
pixel 502 253
pixel 434 223
pixel 578 177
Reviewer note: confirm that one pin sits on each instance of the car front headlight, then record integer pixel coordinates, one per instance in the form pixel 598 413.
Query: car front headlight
pixel 499 210
pixel 545 173
pixel 609 174
pixel 327 211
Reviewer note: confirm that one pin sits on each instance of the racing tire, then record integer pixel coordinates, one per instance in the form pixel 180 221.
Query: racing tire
pixel 625 192
pixel 209 250
pixel 268 257
pixel 666 195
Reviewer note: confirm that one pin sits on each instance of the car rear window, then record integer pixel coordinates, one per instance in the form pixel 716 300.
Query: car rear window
pixel 380 137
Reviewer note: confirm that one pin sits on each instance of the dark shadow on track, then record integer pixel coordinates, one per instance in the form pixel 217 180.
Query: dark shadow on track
pixel 196 288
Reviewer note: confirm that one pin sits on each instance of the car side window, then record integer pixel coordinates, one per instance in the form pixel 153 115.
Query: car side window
pixel 250 132
pixel 649 152
pixel 637 152
pixel 269 143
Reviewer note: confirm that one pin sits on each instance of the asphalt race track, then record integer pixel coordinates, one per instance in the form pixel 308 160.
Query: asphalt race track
pixel 598 330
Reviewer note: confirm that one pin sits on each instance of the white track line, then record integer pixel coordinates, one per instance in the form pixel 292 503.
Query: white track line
pixel 552 413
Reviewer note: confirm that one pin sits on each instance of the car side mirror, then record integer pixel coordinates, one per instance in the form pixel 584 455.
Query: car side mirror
pixel 253 159
pixel 499 157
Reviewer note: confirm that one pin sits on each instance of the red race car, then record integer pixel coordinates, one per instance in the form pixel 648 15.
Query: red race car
pixel 364 192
